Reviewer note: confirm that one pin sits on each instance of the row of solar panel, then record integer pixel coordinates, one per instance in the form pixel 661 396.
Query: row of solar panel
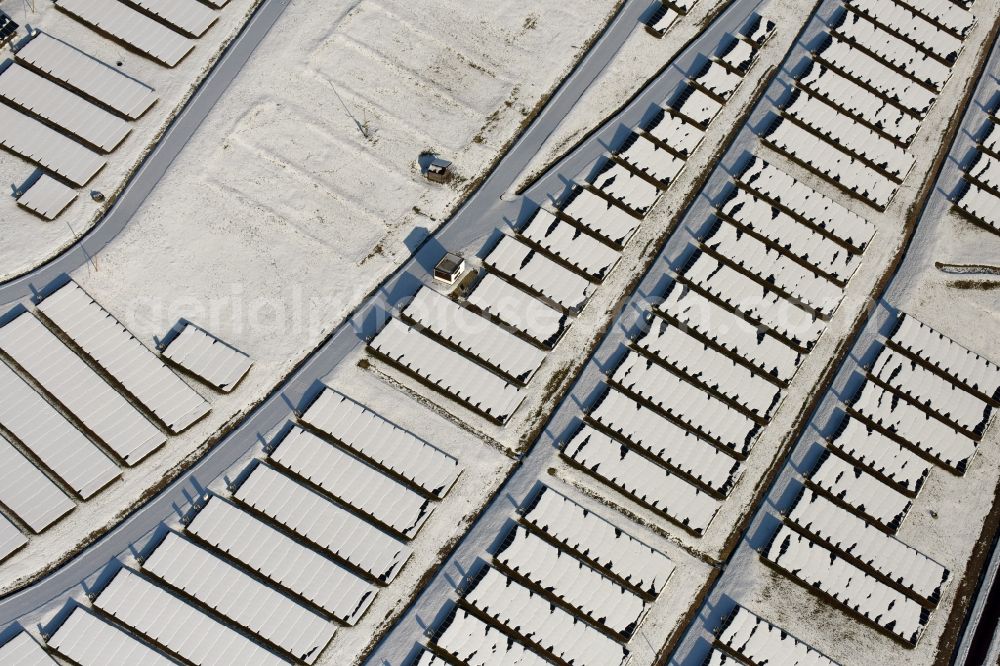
pixel 980 194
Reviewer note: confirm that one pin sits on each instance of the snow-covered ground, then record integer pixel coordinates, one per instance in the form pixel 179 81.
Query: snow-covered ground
pixel 279 216
pixel 27 239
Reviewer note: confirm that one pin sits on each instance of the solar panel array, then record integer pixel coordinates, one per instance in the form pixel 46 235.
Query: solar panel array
pixel 749 639
pixel 683 407
pixel 563 585
pixel 47 197
pixel 871 82
pixel 67 424
pixel 206 357
pixel 666 14
pixel 979 197
pixel 925 402
pixel 484 348
pixel 268 571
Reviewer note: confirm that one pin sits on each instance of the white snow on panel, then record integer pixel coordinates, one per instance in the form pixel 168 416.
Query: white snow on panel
pixel 188 16
pixel 537 620
pixel 571 581
pixel 907 23
pixel 11 538
pixel 477 336
pixel 986 171
pixel 352 481
pixel 678 448
pixel 648 157
pixel 89 641
pixel 240 598
pixel 730 331
pixel 851 485
pixel 282 560
pixel 946 14
pixel 111 346
pixel 630 190
pixel 49 436
pixel 760 642
pixel 208 358
pixel 600 542
pixel 47 197
pixel 697 106
pixel 566 242
pixel 475 643
pixel 182 629
pixel 982 205
pixel 718 80
pixel 79 71
pixel 819 210
pixel 519 310
pixel 941 442
pixel 540 274
pixel 28 493
pixel 601 217
pixel 878 452
pixel 468 382
pixel 894 51
pixel 817 567
pixel 323 523
pixel 378 440
pixel 22 650
pixel 40 144
pixel 76 386
pixel 140 32
pixel 642 479
pixel 676 133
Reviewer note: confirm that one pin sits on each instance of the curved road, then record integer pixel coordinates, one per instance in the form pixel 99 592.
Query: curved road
pixel 475 221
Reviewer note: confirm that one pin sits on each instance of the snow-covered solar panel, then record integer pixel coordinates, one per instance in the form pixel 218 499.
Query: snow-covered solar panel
pixel 739 55
pixel 729 331
pixel 788 233
pixel 537 620
pixel 131 27
pixel 177 626
pixel 42 145
pixel 645 155
pixel 831 162
pixel 28 493
pixel 909 25
pixel 946 14
pixel 717 80
pixel 187 16
pixel 990 142
pixel 877 501
pixel 816 567
pixel 824 213
pixel 860 103
pixel 576 584
pixel 601 217
pixel 382 442
pixel 913 426
pixel 691 357
pixel 323 523
pixel 282 560
pixel 566 242
pixel 239 598
pixel 58 106
pixel 717 657
pixel 678 448
pixel 946 355
pixel 986 172
pixel 642 479
pixel 520 263
pixel 675 132
pixel 627 188
pixel 353 482
pixel 121 355
pixel 80 390
pixel 745 295
pixel 870 548
pixel 889 459
pixel 850 135
pixel 774 268
pixel 11 538
pixel 950 401
pixel 894 51
pixel 79 71
pixel 22 650
pixel 982 205
pixel 686 403
pixel 208 358
pixel 466 381
pixel 86 640
pixel 760 30
pixel 475 335
pixel 428 658
pixel 760 642
pixel 519 309
pixel 663 19
pixel 49 436
pixel 697 106
pixel 47 197
pixel 598 541
pixel 474 643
